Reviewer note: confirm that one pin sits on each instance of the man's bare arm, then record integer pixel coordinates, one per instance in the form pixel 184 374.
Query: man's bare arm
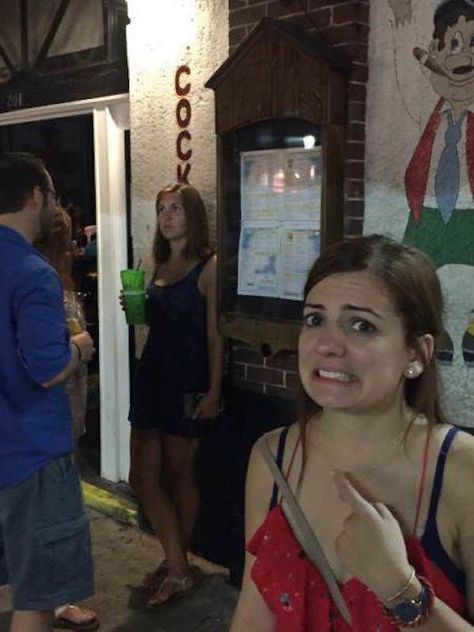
pixel 82 350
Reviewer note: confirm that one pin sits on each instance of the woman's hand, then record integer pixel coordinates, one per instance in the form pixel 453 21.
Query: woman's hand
pixel 121 299
pixel 85 344
pixel 208 407
pixel 371 545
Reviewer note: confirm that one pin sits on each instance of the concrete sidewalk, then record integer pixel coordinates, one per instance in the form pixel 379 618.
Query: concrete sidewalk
pixel 123 555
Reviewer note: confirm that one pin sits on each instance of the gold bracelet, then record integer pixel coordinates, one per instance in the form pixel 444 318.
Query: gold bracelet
pixel 403 590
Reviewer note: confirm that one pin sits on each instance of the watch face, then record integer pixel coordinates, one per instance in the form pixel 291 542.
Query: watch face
pixel 407 611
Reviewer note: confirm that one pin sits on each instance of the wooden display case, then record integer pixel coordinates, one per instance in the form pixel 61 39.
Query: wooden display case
pixel 278 87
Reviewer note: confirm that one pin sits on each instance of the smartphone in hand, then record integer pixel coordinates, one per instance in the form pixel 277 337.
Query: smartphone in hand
pixel 190 401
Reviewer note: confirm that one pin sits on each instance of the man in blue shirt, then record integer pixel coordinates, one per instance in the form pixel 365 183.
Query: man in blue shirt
pixel 44 532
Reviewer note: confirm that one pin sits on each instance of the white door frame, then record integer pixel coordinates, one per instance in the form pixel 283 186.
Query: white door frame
pixel 110 119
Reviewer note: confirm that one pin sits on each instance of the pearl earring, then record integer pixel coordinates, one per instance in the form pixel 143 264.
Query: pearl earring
pixel 412 371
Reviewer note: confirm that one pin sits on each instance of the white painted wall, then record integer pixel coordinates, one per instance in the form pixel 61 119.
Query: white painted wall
pixel 399 101
pixel 162 36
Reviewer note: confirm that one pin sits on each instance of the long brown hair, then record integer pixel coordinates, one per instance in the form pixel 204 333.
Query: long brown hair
pixel 197 245
pixel 58 249
pixel 416 293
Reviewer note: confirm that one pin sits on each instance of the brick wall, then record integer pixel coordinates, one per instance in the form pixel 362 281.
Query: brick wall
pixel 345 25
pixel 275 375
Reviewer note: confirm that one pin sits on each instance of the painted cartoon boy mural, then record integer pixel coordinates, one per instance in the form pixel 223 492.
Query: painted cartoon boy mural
pixel 439 186
pixel 439 180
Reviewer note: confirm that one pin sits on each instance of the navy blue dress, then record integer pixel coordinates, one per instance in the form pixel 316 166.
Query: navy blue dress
pixel 173 368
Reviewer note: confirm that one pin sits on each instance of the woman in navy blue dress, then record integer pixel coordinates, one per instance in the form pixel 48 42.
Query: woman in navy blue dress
pixel 178 383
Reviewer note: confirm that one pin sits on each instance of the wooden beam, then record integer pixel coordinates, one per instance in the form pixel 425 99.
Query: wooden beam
pixel 7 60
pixel 24 33
pixel 53 29
pixel 108 26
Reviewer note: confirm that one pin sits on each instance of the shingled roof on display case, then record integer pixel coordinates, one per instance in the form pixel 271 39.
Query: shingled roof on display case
pixel 279 70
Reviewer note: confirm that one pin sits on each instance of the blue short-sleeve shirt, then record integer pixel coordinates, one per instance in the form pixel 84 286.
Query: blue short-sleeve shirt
pixel 35 422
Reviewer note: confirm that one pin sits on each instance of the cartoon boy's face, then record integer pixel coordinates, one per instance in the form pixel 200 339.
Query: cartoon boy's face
pixel 456 59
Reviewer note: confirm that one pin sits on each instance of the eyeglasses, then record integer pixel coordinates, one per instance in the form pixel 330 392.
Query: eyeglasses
pixel 54 193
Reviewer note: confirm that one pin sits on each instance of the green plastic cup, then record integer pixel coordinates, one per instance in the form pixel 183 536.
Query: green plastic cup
pixel 133 284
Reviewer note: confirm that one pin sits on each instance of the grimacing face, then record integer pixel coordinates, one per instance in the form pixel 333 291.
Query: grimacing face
pixel 456 59
pixel 352 349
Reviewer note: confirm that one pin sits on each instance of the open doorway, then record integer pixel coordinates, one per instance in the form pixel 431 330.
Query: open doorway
pixel 85 145
pixel 66 145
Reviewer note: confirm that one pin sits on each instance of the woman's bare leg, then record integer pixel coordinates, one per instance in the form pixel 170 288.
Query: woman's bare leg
pixel 146 465
pixel 180 465
pixel 179 455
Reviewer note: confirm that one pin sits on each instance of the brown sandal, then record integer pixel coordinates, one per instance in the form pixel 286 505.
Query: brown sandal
pixel 152 580
pixel 140 594
pixel 180 586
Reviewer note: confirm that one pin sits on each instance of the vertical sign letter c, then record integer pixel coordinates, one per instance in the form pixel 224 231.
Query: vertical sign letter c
pixel 183 155
pixel 182 91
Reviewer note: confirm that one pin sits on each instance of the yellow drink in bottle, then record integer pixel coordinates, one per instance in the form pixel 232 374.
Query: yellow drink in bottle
pixel 74 326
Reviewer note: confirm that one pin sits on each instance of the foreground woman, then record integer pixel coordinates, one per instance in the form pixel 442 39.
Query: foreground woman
pixel 384 483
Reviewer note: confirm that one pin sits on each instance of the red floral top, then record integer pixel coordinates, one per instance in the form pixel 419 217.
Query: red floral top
pixel 297 594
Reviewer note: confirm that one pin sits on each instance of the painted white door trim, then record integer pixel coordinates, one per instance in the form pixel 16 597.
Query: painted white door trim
pixel 59 110
pixel 110 118
pixel 112 257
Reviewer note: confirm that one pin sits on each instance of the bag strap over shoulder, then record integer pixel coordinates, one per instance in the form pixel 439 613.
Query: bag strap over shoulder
pixel 279 462
pixel 298 521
